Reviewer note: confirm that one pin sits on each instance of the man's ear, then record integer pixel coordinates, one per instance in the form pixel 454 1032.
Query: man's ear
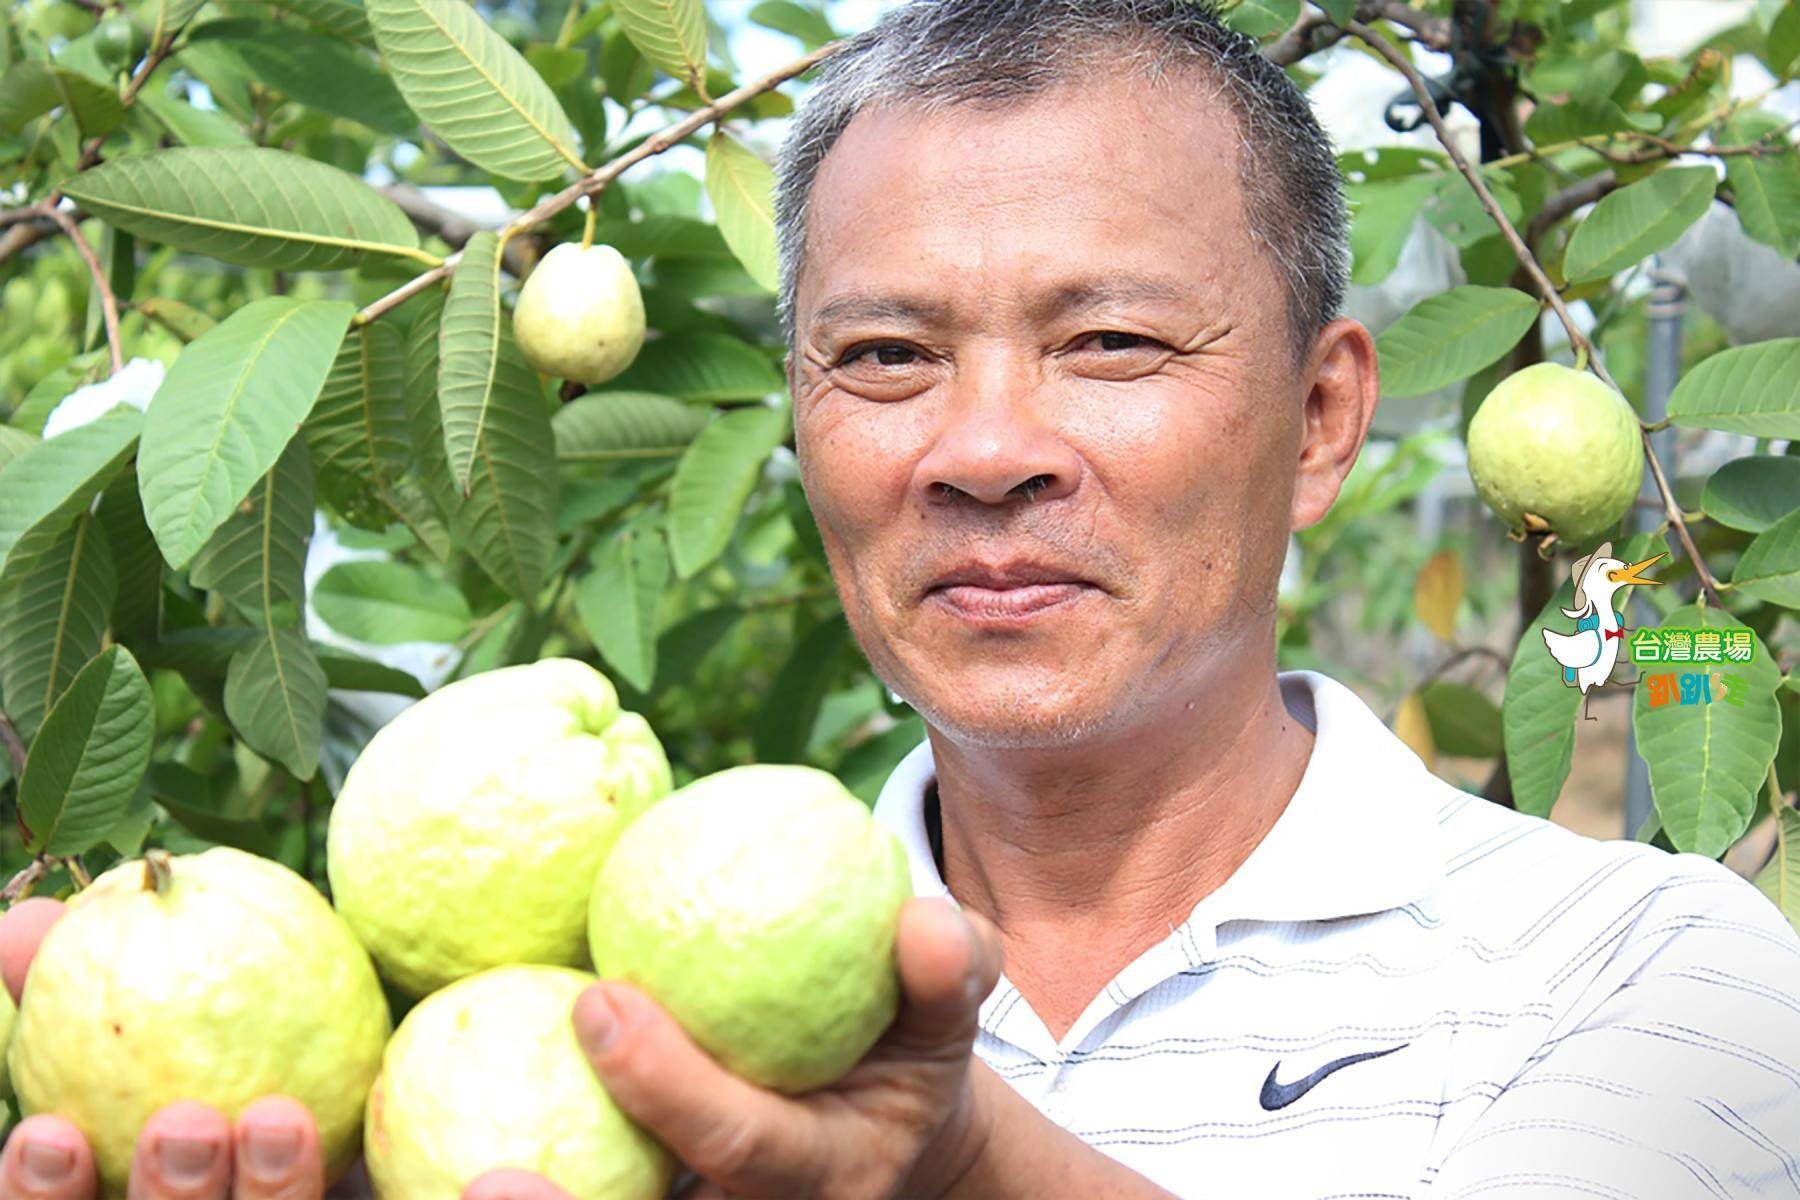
pixel 1339 406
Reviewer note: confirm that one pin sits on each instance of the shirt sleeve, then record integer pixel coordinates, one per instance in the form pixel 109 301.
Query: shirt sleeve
pixel 1675 1074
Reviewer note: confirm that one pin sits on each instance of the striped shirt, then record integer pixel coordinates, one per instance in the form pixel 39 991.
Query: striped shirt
pixel 1407 991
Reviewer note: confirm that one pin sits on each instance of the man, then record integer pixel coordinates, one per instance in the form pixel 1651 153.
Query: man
pixel 1061 278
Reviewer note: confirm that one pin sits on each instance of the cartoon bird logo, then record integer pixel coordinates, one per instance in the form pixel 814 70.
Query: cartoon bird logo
pixel 1587 655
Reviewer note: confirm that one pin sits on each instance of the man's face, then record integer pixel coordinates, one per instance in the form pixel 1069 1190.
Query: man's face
pixel 1045 410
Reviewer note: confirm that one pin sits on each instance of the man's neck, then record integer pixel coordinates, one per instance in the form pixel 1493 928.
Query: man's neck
pixel 1085 857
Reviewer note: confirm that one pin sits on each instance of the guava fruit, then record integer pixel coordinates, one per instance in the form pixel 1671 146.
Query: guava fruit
pixel 758 906
pixel 469 829
pixel 219 977
pixel 8 1014
pixel 487 1073
pixel 1552 449
pixel 580 314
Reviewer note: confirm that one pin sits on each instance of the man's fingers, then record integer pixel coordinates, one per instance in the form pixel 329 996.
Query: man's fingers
pixel 275 1149
pixel 510 1183
pixel 949 960
pixel 46 1158
pixel 718 1124
pixel 183 1153
pixel 21 929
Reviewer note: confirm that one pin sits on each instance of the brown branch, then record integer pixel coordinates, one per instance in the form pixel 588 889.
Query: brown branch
pixel 518 254
pixel 1561 204
pixel 1303 38
pixel 1528 262
pixel 22 883
pixel 109 303
pixel 593 184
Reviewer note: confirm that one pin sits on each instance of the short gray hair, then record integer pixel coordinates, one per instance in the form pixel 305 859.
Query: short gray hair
pixel 934 54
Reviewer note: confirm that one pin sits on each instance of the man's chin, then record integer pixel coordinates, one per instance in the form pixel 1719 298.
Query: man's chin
pixel 1004 719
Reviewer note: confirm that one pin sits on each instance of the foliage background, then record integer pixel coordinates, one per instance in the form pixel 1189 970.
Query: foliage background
pixel 191 658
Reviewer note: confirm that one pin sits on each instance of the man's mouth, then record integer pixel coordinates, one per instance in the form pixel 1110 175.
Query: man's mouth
pixel 1006 593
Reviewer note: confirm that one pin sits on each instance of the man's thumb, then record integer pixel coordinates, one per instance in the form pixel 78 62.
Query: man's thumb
pixel 949 960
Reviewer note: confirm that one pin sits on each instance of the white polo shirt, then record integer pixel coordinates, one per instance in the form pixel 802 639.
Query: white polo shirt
pixel 1407 991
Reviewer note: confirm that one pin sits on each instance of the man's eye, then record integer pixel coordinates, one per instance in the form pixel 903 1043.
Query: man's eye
pixel 1114 340
pixel 887 355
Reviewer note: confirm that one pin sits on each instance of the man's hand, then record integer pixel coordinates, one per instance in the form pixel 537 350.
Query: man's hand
pixel 186 1151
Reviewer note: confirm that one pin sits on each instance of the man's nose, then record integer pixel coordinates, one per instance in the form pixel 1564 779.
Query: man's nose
pixel 996 446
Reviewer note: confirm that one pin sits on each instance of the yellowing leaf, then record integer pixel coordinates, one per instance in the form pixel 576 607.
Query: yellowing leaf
pixel 1438 593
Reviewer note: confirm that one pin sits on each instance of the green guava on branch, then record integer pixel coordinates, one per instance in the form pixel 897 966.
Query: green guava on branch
pixel 759 906
pixel 580 314
pixel 468 831
pixel 219 977
pixel 487 1073
pixel 1555 450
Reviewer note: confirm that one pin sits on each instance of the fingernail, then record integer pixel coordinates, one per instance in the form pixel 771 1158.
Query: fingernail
pixel 47 1164
pixel 271 1150
pixel 185 1160
pixel 601 1028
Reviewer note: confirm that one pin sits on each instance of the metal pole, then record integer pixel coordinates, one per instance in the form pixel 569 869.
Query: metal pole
pixel 1662 367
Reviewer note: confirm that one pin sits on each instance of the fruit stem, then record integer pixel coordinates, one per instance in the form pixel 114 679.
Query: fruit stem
pixel 587 229
pixel 1581 357
pixel 157 873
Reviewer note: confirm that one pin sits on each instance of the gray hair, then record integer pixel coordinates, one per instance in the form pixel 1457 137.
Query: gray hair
pixel 929 55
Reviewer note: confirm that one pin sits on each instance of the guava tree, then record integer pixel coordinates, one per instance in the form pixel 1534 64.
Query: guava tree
pixel 217 215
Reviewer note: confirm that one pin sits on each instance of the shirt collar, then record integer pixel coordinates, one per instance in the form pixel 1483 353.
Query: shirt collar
pixel 1358 836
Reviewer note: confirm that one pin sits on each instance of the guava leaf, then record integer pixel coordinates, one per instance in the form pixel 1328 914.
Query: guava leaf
pixel 1451 336
pixel 348 671
pixel 318 70
pixel 342 17
pixel 51 481
pixel 87 759
pixel 1539 713
pixel 1384 212
pixel 247 205
pixel 1770 566
pixel 386 603
pixel 257 559
pixel 357 429
pixel 1463 721
pixel 30 89
pixel 225 411
pixel 1263 18
pixel 702 368
pixel 137 609
pixel 275 692
pixel 1438 593
pixel 742 188
pixel 785 720
pixel 1707 760
pixel 671 34
pixel 53 619
pixel 713 480
pixel 1753 493
pixel 606 426
pixel 473 89
pixel 1780 880
pixel 618 601
pixel 1752 389
pixel 1638 220
pixel 14 442
pixel 1765 187
pixel 800 21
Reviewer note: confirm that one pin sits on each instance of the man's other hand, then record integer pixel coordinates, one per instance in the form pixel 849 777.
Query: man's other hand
pixel 186 1151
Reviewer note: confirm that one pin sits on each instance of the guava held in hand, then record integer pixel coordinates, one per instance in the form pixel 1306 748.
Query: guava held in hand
pixel 219 977
pixel 487 1073
pixel 469 830
pixel 1554 450
pixel 759 906
pixel 580 314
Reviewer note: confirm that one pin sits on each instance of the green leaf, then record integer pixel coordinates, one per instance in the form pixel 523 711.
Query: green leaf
pixel 671 34
pixel 187 797
pixel 801 21
pixel 1708 760
pixel 1751 389
pixel 495 420
pixel 1385 211
pixel 257 559
pixel 1451 336
pixel 1766 187
pixel 419 393
pixel 317 70
pixel 248 205
pixel 275 694
pixel 1341 12
pixel 1770 566
pixel 742 189
pixel 1539 714
pixel 1263 18
pixel 785 719
pixel 604 426
pixel 618 601
pixel 53 619
pixel 50 391
pixel 1780 880
pixel 357 429
pixel 386 603
pixel 473 89
pixel 1782 47
pixel 704 368
pixel 343 17
pixel 867 765
pixel 1552 124
pixel 351 673
pixel 52 481
pixel 1463 721
pixel 713 480
pixel 30 89
pixel 1753 493
pixel 86 761
pixel 661 235
pixel 1637 221
pixel 189 125
pixel 225 411
pixel 14 442
pixel 137 610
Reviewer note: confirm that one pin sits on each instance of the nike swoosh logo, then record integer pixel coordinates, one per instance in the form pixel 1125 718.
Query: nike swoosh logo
pixel 1280 1095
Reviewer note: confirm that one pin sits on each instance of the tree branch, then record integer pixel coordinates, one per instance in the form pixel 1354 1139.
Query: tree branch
pixel 593 184
pixel 109 303
pixel 1584 349
pixel 1302 39
pixel 518 254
